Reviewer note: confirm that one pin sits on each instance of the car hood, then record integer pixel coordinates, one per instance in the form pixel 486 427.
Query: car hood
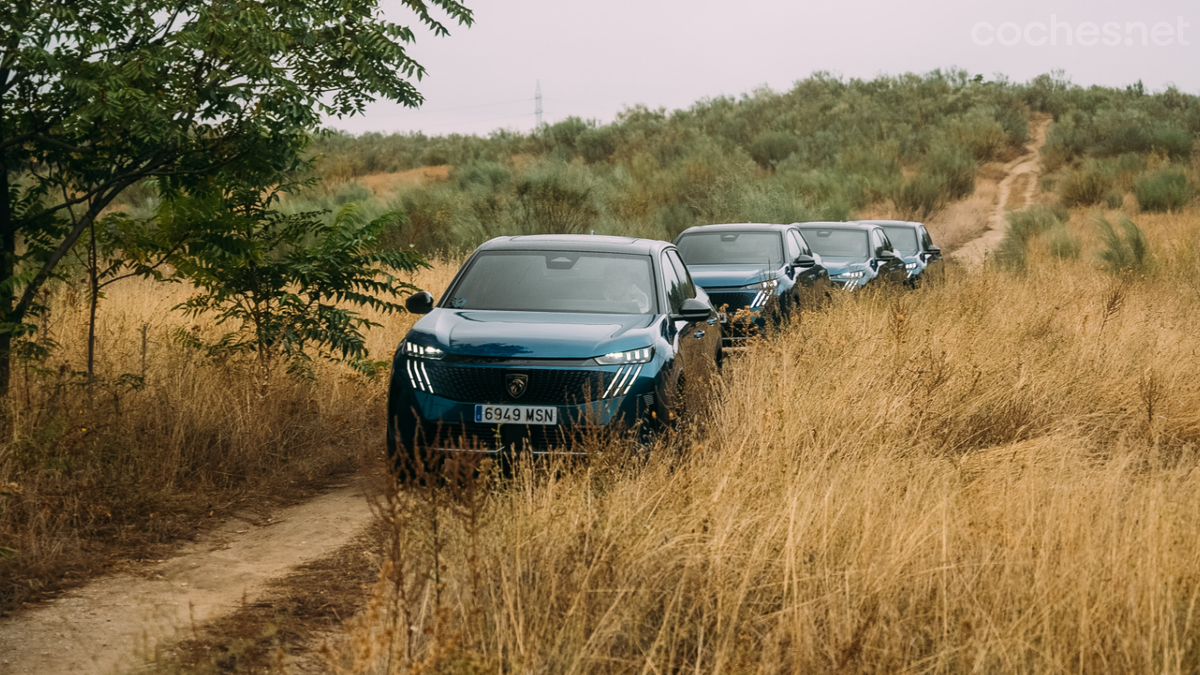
pixel 729 276
pixel 539 335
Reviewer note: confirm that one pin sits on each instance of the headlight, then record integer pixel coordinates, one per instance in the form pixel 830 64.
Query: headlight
pixel 910 266
pixel 764 285
pixel 420 351
pixel 621 358
pixel 849 275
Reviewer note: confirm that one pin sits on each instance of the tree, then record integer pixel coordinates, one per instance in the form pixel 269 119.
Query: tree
pixel 288 283
pixel 96 95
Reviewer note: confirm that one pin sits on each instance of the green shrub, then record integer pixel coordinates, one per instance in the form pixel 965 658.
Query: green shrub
pixel 488 174
pixel 1138 136
pixel 773 147
pixel 946 173
pixel 955 167
pixel 1032 221
pixel 1086 185
pixel 596 145
pixel 920 196
pixel 555 198
pixel 1165 190
pixel 1125 250
pixel 1023 227
pixel 1062 244
pixel 980 133
pixel 439 221
pixel 1113 199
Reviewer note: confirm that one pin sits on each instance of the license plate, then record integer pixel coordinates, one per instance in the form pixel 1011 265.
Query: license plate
pixel 723 317
pixel 516 414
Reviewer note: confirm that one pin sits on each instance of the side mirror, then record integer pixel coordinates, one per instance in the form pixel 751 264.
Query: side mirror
pixel 804 261
pixel 419 303
pixel 884 254
pixel 693 310
pixel 934 250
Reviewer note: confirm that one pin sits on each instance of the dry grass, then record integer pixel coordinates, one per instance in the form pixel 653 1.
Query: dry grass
pixel 387 184
pixel 998 473
pixel 113 471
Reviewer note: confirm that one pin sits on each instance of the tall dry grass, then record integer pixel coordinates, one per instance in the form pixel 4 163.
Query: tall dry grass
pixel 994 474
pixel 167 439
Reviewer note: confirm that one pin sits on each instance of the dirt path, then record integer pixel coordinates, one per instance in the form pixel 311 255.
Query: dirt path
pixel 112 624
pixel 1015 190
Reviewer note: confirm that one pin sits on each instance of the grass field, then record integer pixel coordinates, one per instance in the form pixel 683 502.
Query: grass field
pixel 997 474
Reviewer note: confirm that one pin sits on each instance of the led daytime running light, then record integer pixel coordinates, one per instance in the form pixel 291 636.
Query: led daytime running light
pixel 421 351
pixel 642 355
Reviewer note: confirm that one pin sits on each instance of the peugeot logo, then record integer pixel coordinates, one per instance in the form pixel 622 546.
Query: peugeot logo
pixel 516 383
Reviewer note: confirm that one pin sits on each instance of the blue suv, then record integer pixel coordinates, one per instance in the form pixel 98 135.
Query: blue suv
pixel 541 337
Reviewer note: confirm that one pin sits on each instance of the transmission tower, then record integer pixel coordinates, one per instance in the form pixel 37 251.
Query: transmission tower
pixel 537 97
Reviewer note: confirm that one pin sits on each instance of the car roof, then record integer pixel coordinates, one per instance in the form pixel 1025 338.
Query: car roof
pixel 599 243
pixel 893 223
pixel 836 225
pixel 728 227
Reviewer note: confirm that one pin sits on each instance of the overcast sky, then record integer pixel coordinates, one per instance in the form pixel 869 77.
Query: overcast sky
pixel 595 58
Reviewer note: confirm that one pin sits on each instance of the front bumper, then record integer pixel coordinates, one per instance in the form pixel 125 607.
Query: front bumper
pixel 433 408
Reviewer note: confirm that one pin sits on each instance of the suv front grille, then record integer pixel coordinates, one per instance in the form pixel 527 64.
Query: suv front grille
pixel 544 386
pixel 731 301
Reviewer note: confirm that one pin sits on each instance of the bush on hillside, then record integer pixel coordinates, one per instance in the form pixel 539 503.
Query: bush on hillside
pixel 1125 248
pixel 1165 190
pixel 1086 185
pixel 555 198
pixel 773 147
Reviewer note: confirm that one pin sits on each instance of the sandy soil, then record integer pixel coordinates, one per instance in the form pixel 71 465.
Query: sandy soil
pixel 1016 190
pixel 114 624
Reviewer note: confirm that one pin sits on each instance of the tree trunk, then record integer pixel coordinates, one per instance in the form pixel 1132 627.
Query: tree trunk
pixel 94 288
pixel 8 255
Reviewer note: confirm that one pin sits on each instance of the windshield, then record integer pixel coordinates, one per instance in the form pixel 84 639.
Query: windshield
pixel 732 248
pixel 557 281
pixel 838 243
pixel 904 239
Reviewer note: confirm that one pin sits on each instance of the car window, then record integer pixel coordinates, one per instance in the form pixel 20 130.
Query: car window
pixel 800 242
pixel 673 285
pixel 838 243
pixel 732 248
pixel 681 270
pixel 793 249
pixel 885 242
pixel 902 237
pixel 879 243
pixel 926 240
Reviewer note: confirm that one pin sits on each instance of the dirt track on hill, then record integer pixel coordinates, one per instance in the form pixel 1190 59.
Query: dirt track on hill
pixel 1016 190
pixel 114 624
